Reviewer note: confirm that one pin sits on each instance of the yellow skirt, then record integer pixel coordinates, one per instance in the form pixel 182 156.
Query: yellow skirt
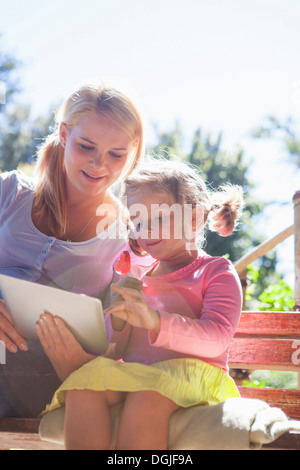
pixel 187 382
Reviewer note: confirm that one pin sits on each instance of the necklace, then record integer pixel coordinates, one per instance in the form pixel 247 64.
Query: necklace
pixel 78 234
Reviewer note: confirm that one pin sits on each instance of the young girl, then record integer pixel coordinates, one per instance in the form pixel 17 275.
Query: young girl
pixel 173 337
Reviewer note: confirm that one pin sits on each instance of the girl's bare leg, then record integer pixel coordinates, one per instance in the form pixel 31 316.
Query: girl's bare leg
pixel 87 420
pixel 145 421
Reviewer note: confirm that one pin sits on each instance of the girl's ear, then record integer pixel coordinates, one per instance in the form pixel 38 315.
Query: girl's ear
pixel 198 218
pixel 63 132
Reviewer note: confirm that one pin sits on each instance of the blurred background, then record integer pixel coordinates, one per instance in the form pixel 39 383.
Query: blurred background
pixel 219 84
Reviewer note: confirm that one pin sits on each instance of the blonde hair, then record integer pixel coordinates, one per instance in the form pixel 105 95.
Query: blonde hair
pixel 221 209
pixel 94 97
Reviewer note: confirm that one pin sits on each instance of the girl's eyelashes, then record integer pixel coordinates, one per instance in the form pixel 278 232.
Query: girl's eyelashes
pixel 114 155
pixel 86 147
pixel 151 224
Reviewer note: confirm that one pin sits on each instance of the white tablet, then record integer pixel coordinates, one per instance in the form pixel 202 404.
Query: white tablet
pixel 27 301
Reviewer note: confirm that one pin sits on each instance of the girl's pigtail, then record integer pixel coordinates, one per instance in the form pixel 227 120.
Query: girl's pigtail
pixel 227 205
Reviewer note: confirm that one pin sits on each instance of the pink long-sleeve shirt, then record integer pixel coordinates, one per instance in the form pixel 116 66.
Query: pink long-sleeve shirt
pixel 200 307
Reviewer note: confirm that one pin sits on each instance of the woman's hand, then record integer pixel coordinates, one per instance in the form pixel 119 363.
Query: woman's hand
pixel 8 334
pixel 134 310
pixel 63 350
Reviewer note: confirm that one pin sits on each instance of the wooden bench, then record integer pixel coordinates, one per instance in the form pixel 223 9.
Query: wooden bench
pixel 270 341
pixel 264 340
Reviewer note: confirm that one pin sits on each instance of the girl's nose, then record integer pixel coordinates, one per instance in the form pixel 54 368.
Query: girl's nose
pixel 97 160
pixel 149 230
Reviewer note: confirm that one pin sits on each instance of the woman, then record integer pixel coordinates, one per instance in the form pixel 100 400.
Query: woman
pixel 58 230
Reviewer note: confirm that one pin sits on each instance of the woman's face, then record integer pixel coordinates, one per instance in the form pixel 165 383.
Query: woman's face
pixel 96 151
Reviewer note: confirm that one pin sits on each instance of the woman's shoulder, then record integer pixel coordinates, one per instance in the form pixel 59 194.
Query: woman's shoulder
pixel 11 184
pixel 14 179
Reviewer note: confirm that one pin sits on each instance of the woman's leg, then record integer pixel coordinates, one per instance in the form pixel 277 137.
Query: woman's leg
pixel 27 382
pixel 145 421
pixel 87 420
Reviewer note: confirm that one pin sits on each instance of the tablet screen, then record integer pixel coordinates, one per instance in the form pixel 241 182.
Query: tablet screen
pixel 27 301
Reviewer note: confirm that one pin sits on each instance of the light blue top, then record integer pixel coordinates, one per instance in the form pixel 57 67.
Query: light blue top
pixel 26 253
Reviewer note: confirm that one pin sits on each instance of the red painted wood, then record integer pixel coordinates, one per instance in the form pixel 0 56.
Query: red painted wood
pixel 25 425
pixel 269 325
pixel 253 353
pixel 287 400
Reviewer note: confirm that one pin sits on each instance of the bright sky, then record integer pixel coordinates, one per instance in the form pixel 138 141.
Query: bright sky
pixel 222 65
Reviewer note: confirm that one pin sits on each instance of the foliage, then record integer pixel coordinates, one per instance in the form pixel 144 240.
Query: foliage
pixel 260 281
pixel 8 66
pixel 273 379
pixel 279 297
pixel 19 133
pixel 286 131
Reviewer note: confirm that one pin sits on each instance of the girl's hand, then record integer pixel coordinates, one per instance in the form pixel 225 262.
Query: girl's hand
pixel 8 334
pixel 134 310
pixel 63 350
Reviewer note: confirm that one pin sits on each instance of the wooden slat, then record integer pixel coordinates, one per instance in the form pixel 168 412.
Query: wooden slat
pixel 23 433
pixel 287 400
pixel 245 353
pixel 25 441
pixel 22 425
pixel 288 441
pixel 269 325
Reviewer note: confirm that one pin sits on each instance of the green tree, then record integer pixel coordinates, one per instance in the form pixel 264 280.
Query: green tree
pixel 19 133
pixel 288 132
pixel 8 66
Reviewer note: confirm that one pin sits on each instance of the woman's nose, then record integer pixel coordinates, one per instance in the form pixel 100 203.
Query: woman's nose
pixel 97 160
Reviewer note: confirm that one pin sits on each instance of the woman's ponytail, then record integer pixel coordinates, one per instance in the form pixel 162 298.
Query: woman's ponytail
pixel 50 193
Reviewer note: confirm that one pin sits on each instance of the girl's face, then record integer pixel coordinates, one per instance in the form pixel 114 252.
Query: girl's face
pixel 158 225
pixel 96 151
